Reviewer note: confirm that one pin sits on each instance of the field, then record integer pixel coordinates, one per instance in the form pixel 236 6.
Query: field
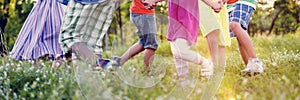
pixel 280 81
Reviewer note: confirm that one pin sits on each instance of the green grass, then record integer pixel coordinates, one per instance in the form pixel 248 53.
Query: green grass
pixel 281 80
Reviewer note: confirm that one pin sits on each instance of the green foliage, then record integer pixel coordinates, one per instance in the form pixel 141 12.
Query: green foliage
pixel 286 24
pixel 4 9
pixel 19 80
pixel 281 56
pixel 17 15
pixel 162 7
pixel 260 21
pixel 283 18
pixel 289 19
pixel 164 49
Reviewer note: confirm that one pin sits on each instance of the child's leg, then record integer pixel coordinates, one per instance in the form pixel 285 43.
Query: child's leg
pixel 36 62
pixel 244 38
pixel 180 64
pixel 243 52
pixel 132 51
pixel 84 53
pixel 182 54
pixel 148 56
pixel 181 67
pixel 217 52
pixel 213 45
pixel 181 50
pixel 55 64
pixel 222 57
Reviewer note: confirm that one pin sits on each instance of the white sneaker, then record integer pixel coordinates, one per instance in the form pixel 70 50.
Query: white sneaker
pixel 207 68
pixel 254 65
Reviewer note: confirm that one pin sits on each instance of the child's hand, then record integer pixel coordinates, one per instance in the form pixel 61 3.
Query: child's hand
pixel 221 3
pixel 149 4
pixel 217 6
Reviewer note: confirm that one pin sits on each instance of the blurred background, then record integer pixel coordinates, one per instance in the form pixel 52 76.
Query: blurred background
pixel 272 17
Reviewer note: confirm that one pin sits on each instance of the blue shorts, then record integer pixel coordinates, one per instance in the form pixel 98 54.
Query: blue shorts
pixel 241 14
pixel 146 29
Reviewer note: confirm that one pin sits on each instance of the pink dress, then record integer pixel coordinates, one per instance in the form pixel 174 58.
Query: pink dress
pixel 183 20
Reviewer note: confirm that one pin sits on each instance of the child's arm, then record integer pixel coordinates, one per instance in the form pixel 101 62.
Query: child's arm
pixel 216 6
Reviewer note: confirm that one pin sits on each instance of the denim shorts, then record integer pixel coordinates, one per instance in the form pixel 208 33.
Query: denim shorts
pixel 146 29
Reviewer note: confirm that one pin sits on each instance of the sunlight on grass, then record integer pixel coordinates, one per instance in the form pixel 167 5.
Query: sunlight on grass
pixel 19 80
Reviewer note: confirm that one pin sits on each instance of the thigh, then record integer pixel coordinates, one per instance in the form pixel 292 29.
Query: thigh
pixel 241 14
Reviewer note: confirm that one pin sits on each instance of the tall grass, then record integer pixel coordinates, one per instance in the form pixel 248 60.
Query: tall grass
pixel 281 80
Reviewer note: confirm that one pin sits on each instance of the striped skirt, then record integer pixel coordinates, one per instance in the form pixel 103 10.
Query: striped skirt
pixel 86 23
pixel 40 32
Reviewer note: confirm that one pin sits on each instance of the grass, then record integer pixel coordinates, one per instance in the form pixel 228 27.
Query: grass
pixel 281 55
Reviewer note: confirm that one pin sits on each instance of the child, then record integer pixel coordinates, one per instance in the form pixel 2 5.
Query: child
pixel 39 34
pixel 145 23
pixel 183 32
pixel 83 26
pixel 239 17
pixel 214 26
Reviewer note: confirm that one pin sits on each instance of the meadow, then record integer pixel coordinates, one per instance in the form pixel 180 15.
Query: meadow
pixel 280 81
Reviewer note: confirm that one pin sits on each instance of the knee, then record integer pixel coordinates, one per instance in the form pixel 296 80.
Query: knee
pixel 180 55
pixel 234 25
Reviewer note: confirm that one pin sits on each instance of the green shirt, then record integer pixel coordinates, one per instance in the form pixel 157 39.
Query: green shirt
pixel 230 7
pixel 251 3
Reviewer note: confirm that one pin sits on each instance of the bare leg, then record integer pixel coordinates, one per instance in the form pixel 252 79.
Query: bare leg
pixel 243 52
pixel 148 56
pixel 244 39
pixel 36 63
pixel 213 45
pixel 84 53
pixel 222 58
pixel 217 52
pixel 132 51
pixel 55 64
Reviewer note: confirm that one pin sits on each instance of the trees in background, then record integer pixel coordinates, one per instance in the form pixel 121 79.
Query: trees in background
pixel 286 17
pixel 13 13
pixel 282 18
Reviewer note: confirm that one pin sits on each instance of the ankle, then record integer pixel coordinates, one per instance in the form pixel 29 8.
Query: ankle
pixel 253 59
pixel 201 61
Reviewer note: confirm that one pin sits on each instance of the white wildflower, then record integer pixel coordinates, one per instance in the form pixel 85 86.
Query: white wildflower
pixel 55 93
pixel 38 79
pixel 31 95
pixel 15 95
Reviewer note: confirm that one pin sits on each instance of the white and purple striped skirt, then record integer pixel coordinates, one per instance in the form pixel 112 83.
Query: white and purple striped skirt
pixel 40 32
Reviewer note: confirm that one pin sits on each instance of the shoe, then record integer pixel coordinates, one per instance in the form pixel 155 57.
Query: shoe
pixel 207 68
pixel 254 66
pixel 115 61
pixel 103 63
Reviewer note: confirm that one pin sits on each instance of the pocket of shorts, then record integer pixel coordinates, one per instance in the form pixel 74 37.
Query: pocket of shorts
pixel 136 19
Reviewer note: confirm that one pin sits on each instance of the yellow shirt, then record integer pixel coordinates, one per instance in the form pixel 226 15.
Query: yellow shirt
pixel 210 21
